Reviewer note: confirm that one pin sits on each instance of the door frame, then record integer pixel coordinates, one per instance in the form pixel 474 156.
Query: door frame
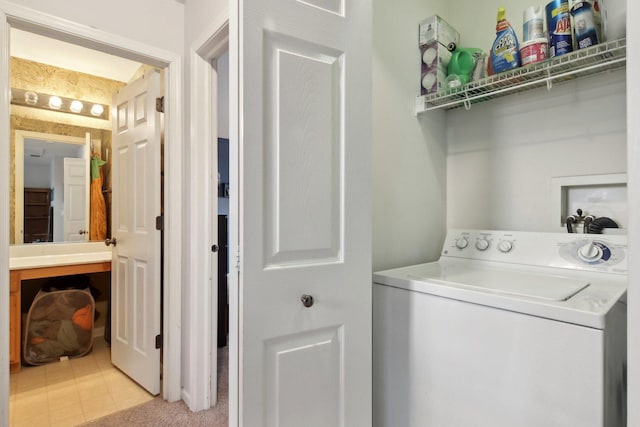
pixel 633 174
pixel 203 266
pixel 12 15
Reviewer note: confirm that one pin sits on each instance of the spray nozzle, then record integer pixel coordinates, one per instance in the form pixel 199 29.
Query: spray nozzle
pixel 501 13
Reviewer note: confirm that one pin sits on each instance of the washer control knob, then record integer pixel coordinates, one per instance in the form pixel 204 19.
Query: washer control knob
pixel 482 244
pixel 462 242
pixel 590 252
pixel 505 246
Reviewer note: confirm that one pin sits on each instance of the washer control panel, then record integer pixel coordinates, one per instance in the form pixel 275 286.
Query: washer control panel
pixel 594 252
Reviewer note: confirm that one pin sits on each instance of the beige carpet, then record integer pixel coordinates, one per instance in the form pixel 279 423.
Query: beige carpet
pixel 159 412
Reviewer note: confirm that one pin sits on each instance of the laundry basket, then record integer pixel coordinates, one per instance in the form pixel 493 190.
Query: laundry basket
pixel 59 323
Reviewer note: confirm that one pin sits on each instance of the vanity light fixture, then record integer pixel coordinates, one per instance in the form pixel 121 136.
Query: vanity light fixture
pixel 28 98
pixel 97 110
pixel 55 102
pixel 76 106
pixel 31 98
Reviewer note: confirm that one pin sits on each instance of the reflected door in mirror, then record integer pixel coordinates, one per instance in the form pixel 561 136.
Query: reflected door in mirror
pixel 75 200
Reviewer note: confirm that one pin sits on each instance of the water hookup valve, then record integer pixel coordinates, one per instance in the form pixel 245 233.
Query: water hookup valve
pixel 591 224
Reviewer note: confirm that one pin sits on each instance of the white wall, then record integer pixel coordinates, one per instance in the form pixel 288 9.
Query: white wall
pixel 200 15
pixel 37 174
pixel 154 22
pixel 502 154
pixel 476 21
pixel 222 67
pixel 409 153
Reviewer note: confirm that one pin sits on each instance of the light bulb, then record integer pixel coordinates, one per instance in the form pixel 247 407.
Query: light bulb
pixel 31 98
pixel 76 106
pixel 97 110
pixel 55 102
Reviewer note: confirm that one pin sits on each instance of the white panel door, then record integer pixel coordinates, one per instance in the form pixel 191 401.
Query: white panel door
pixel 305 213
pixel 135 273
pixel 76 183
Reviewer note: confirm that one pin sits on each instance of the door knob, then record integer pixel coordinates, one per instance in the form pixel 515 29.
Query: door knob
pixel 111 241
pixel 307 300
pixel 81 232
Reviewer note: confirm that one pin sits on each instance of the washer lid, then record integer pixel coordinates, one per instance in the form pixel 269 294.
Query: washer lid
pixel 517 283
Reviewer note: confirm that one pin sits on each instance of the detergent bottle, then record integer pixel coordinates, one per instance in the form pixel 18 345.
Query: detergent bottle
pixel 463 62
pixel 505 52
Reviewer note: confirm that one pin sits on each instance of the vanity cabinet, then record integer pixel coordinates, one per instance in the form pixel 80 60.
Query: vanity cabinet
pixel 37 215
pixel 38 272
pixel 14 321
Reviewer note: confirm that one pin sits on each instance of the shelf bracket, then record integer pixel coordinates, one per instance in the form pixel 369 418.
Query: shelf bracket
pixel 549 81
pixel 467 103
pixel 420 105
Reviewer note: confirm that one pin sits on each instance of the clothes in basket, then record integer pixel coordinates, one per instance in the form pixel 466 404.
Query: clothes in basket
pixel 59 323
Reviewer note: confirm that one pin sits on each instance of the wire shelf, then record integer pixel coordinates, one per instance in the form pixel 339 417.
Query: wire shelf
pixel 581 63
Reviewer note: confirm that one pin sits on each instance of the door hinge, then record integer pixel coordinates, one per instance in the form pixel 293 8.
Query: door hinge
pixel 158 341
pixel 160 222
pixel 160 104
pixel 238 259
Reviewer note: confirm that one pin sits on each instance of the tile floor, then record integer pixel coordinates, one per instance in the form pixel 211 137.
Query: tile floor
pixel 72 392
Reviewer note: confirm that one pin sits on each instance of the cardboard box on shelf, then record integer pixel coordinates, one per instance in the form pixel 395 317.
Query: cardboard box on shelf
pixel 435 36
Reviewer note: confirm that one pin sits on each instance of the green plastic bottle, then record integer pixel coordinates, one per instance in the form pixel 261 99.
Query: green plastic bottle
pixel 505 52
pixel 462 63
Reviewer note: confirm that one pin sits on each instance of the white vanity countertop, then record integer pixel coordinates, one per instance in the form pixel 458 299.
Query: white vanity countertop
pixel 35 255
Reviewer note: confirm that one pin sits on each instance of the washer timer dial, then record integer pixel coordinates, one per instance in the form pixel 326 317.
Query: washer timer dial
pixel 482 244
pixel 462 242
pixel 593 251
pixel 505 246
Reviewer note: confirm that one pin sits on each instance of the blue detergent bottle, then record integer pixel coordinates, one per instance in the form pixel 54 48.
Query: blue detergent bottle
pixel 505 52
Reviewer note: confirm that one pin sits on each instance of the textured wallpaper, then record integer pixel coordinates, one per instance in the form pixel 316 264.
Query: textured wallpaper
pixel 47 79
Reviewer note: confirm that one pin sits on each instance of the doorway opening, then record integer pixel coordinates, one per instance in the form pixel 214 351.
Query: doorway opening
pixel 93 387
pixel 212 257
pixel 221 66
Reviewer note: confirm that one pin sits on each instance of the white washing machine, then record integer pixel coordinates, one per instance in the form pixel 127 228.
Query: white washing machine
pixel 506 329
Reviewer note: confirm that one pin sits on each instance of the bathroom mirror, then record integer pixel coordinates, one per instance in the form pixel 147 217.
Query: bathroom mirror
pixel 51 188
pixel 51 197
